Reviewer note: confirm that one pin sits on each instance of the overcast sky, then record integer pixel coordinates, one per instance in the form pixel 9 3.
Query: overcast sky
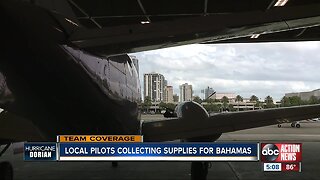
pixel 260 68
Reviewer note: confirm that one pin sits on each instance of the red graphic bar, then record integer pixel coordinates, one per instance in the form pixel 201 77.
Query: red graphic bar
pixel 291 167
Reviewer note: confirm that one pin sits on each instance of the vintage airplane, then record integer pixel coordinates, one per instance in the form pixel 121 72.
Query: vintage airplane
pixel 64 68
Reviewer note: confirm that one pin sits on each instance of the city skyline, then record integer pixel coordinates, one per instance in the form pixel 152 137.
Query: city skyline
pixel 259 69
pixel 166 93
pixel 186 92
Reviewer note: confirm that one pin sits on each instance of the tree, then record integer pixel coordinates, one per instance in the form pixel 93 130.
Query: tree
pixel 225 99
pixel 239 98
pixel 197 99
pixel 171 106
pixel 258 105
pixel 231 107
pixel 147 103
pixel 269 102
pixel 209 100
pixel 313 100
pixel 254 98
pixel 226 107
pixel 163 105
pixel 295 101
pixel 212 107
pixel 285 102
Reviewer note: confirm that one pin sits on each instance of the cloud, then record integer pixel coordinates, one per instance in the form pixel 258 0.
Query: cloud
pixel 254 68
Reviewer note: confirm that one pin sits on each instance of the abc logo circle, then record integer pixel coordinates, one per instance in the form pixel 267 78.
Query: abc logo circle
pixel 270 152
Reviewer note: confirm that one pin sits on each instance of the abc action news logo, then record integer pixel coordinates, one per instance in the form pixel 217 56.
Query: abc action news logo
pixel 281 152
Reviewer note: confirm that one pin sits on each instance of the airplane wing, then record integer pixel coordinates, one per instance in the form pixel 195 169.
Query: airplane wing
pixel 115 27
pixel 197 126
pixel 292 23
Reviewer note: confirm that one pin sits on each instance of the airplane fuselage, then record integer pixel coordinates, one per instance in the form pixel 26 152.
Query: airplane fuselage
pixel 60 88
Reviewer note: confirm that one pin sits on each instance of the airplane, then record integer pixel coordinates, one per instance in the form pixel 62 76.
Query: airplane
pixel 64 67
pixel 297 123
pixel 292 124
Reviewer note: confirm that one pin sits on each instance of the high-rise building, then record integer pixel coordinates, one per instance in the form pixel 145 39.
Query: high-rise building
pixel 207 92
pixel 185 92
pixel 168 94
pixel 154 86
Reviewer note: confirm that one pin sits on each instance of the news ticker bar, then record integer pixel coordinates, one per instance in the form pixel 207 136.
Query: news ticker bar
pixel 159 151
pixel 274 156
pixel 141 151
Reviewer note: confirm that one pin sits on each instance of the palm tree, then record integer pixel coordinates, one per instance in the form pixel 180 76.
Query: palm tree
pixel 254 98
pixel 225 99
pixel 239 99
pixel 269 102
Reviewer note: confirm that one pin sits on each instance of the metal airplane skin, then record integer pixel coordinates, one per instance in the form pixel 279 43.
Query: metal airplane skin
pixel 59 77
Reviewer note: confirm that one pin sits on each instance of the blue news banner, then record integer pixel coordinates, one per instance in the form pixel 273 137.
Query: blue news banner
pixel 142 151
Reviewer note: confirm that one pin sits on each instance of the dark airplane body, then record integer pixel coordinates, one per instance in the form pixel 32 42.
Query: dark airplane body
pixel 64 86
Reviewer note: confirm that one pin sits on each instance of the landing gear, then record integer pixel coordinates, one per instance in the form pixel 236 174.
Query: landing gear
pixel 279 125
pixel 295 124
pixel 6 171
pixel 199 170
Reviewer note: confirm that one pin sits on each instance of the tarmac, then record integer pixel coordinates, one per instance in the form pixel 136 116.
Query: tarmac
pixel 308 135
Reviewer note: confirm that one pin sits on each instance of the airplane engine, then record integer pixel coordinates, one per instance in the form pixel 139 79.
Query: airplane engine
pixel 193 111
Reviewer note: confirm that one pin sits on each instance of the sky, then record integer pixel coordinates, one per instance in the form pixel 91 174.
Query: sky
pixel 261 69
